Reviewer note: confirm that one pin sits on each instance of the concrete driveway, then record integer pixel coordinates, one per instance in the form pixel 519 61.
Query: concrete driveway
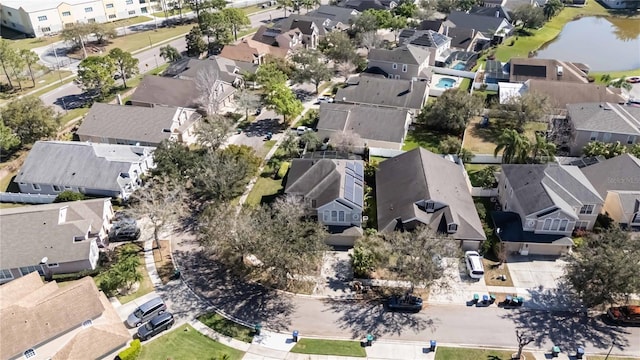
pixel 456 287
pixel 538 272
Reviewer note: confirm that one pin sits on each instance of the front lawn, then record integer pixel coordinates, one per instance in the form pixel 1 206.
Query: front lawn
pixel 492 273
pixel 227 327
pixel 329 347
pixel 186 343
pixel 420 137
pixel 446 353
pixel 265 190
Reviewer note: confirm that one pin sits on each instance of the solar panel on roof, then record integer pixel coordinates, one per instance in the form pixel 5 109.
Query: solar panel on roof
pixel 358 198
pixel 348 187
pixel 359 170
pixel 349 165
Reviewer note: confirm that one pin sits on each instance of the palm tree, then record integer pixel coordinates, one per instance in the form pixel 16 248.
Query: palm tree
pixel 285 4
pixel 170 54
pixel 515 147
pixel 543 148
pixel 621 83
pixel 30 58
pixel 552 8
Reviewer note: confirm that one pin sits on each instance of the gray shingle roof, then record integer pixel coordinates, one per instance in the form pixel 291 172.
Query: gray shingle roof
pixel 362 5
pixel 379 91
pixel 619 173
pixel 303 22
pixel 419 175
pixel 188 68
pixel 424 38
pixel 561 93
pixel 605 117
pixel 371 123
pixel 487 25
pixel 133 123
pixel 30 233
pixel 408 54
pixel 491 11
pixel 166 91
pixel 78 164
pixel 542 186
pixel 337 14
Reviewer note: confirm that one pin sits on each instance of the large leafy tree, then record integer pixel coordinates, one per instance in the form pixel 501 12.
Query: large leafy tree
pixel 237 18
pixel 30 58
pixel 195 44
pixel 96 74
pixel 269 76
pixel 102 32
pixel 284 102
pixel 311 68
pixel 17 64
pixel 217 24
pixel 9 141
pixel 529 16
pixel 6 54
pixel 175 161
pixel 603 270
pixel 452 111
pixel 365 22
pixel 126 64
pixel 526 108
pixel 30 119
pixel 76 33
pixel 552 8
pixel 406 9
pixel 514 146
pixel 285 4
pixel 338 47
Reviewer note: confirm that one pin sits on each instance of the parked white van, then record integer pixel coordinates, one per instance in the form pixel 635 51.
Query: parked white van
pixel 474 264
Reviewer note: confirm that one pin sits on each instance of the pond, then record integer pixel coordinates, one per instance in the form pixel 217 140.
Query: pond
pixel 605 44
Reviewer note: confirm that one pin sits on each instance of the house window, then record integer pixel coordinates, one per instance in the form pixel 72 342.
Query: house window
pixel 334 215
pixel 586 209
pixel 26 270
pixel 109 6
pixel 390 76
pixel 132 12
pixel 6 274
pixel 430 205
pixel 45 29
pixel 9 12
pixel 394 66
pixel 53 265
pixel 42 18
pixel 112 16
pixel 397 77
pixel 547 225
pixel 143 10
pixel 606 137
pixel 341 216
pixel 582 224
pixel 66 13
pixel 56 188
pixel 453 228
pixel 67 187
pixel 563 225
pixel 404 67
pixel 556 224
pixel 29 353
pixel 636 218
pixel 631 139
pixel 35 186
pixel 88 9
pixel 326 215
pixel 91 20
pixel 129 2
pixel 594 136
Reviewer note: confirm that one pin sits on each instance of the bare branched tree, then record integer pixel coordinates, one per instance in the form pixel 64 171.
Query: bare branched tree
pixel 213 131
pixel 210 89
pixel 346 141
pixel 345 69
pixel 370 40
pixel 247 100
pixel 524 338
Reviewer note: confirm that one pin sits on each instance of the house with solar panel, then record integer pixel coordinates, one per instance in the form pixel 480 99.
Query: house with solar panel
pixel 437 44
pixel 333 190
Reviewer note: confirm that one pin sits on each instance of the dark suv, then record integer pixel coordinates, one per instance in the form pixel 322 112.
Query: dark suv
pixel 407 303
pixel 155 326
pixel 124 233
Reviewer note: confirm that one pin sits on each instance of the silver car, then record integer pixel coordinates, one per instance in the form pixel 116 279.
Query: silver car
pixel 146 311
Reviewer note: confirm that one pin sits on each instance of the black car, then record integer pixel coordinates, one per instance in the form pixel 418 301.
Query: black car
pixel 155 326
pixel 124 233
pixel 405 303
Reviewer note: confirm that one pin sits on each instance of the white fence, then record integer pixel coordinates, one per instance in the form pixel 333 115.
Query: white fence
pixel 26 198
pixel 382 152
pixel 454 72
pixel 482 192
pixel 486 159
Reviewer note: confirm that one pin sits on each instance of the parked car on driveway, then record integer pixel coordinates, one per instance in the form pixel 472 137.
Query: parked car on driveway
pixel 625 315
pixel 146 311
pixel 155 326
pixel 474 264
pixel 324 99
pixel 124 233
pixel 405 303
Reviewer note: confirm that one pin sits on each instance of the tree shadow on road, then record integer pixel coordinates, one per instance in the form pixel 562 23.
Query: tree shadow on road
pixel 251 303
pixel 370 317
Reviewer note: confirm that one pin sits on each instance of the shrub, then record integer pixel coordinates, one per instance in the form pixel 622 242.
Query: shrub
pixel 282 172
pixel 69 195
pixel 450 145
pixel 132 352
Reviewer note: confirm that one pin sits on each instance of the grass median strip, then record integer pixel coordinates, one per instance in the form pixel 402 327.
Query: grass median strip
pixel 329 347
pixel 226 327
pixel 446 353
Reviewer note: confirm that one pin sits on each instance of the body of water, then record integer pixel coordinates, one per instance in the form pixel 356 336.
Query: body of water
pixel 605 44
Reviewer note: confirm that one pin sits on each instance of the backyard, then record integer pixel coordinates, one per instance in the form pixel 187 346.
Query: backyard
pixel 421 137
pixel 186 343
pixel 482 140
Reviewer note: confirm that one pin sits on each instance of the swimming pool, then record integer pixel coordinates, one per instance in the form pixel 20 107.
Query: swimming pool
pixel 446 83
pixel 459 66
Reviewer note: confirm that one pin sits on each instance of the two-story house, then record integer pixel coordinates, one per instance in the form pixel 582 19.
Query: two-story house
pixel 334 17
pixel 88 168
pixel 423 188
pixel 138 125
pixel 604 122
pixel 281 43
pixel 362 5
pixel 542 204
pixel 47 321
pixel 437 44
pixel 495 28
pixel 312 28
pixel 405 62
pixel 618 183
pixel 334 192
pixel 67 234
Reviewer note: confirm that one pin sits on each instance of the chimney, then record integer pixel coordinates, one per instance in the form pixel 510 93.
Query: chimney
pixel 411 85
pixel 446 30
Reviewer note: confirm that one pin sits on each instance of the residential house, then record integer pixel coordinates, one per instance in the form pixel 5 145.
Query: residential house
pixel 67 234
pixel 523 69
pixel 47 321
pixel 404 62
pixel 312 28
pixel 466 39
pixel 88 168
pixel 378 91
pixel 494 28
pixel 605 122
pixel 617 180
pixel 138 125
pixel 493 3
pixel 160 90
pixel 228 70
pixel 251 51
pixel 282 43
pixel 334 191
pixel 42 18
pixel 621 4
pixel 334 17
pixel 377 127
pixel 362 5
pixel 513 5
pixel 496 9
pixel 542 204
pixel 437 44
pixel 560 93
pixel 435 25
pixel 422 188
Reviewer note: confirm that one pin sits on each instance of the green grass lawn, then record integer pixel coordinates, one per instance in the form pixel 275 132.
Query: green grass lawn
pixel 252 9
pixel 141 40
pixel 423 138
pixel 329 347
pixel 186 343
pixel 265 188
pixel 130 21
pixel 145 284
pixel 246 32
pixel 227 327
pixel 33 43
pixel 593 357
pixel 445 353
